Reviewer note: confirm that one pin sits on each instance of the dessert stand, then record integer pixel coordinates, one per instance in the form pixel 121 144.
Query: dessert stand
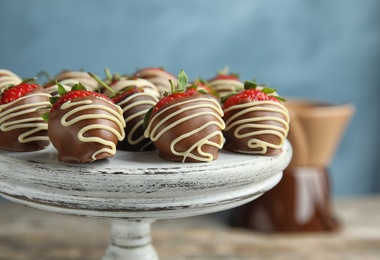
pixel 133 189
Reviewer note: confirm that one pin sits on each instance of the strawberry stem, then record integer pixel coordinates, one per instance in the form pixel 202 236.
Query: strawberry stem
pixel 172 86
pixel 29 80
pixel 108 74
pixel 101 82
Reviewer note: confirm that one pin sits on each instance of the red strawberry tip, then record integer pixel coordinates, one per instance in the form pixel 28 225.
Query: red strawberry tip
pixel 13 92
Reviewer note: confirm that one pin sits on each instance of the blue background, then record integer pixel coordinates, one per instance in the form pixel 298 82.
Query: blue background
pixel 324 50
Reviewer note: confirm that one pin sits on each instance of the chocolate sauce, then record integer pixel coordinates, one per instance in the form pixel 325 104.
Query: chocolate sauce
pixel 300 202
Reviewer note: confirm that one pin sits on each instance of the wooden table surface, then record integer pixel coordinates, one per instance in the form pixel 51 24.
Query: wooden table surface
pixel 31 234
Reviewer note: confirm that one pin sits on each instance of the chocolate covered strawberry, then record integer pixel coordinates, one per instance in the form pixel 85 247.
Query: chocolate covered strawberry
pixel 84 126
pixel 225 83
pixel 118 83
pixel 69 78
pixel 135 102
pixel 256 120
pixel 21 126
pixel 186 126
pixel 159 77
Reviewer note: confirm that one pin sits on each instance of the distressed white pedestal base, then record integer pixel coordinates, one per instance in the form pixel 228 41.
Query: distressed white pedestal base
pixel 133 189
pixel 130 240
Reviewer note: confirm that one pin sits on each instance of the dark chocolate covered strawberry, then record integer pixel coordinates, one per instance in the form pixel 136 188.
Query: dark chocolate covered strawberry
pixel 21 126
pixel 186 126
pixel 256 120
pixel 84 126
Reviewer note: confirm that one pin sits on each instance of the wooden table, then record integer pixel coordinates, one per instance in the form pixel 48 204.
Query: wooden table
pixel 30 234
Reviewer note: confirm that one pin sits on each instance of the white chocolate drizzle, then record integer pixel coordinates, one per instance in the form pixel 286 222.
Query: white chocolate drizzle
pixel 79 106
pixel 215 111
pixel 142 112
pixel 9 122
pixel 226 86
pixel 248 122
pixel 8 78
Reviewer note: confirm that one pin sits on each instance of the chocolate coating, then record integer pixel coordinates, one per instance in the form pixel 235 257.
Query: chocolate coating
pixel 66 139
pixel 25 117
pixel 250 131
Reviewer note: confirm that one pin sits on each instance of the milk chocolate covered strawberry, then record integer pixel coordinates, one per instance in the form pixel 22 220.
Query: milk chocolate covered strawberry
pixel 225 83
pixel 159 77
pixel 69 78
pixel 21 126
pixel 186 126
pixel 84 126
pixel 135 101
pixel 256 120
pixel 118 83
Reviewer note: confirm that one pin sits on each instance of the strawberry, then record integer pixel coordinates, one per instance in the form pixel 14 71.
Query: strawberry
pixel 225 83
pixel 69 78
pixel 21 125
pixel 115 84
pixel 84 126
pixel 256 120
pixel 159 77
pixel 186 125
pixel 135 103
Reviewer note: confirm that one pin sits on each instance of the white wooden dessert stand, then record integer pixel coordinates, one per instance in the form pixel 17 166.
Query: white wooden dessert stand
pixel 134 189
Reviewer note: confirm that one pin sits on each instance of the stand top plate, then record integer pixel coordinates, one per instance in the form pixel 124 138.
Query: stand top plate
pixel 137 185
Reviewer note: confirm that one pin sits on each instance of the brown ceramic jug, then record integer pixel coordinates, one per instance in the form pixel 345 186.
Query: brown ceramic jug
pixel 301 201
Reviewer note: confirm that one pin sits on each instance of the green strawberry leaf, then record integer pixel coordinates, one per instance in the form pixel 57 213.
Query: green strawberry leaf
pixel 78 86
pixel 268 90
pixel 146 118
pixel 202 91
pixel 61 89
pixel 182 81
pixel 53 99
pixel 224 98
pixel 280 99
pixel 45 116
pixel 250 84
